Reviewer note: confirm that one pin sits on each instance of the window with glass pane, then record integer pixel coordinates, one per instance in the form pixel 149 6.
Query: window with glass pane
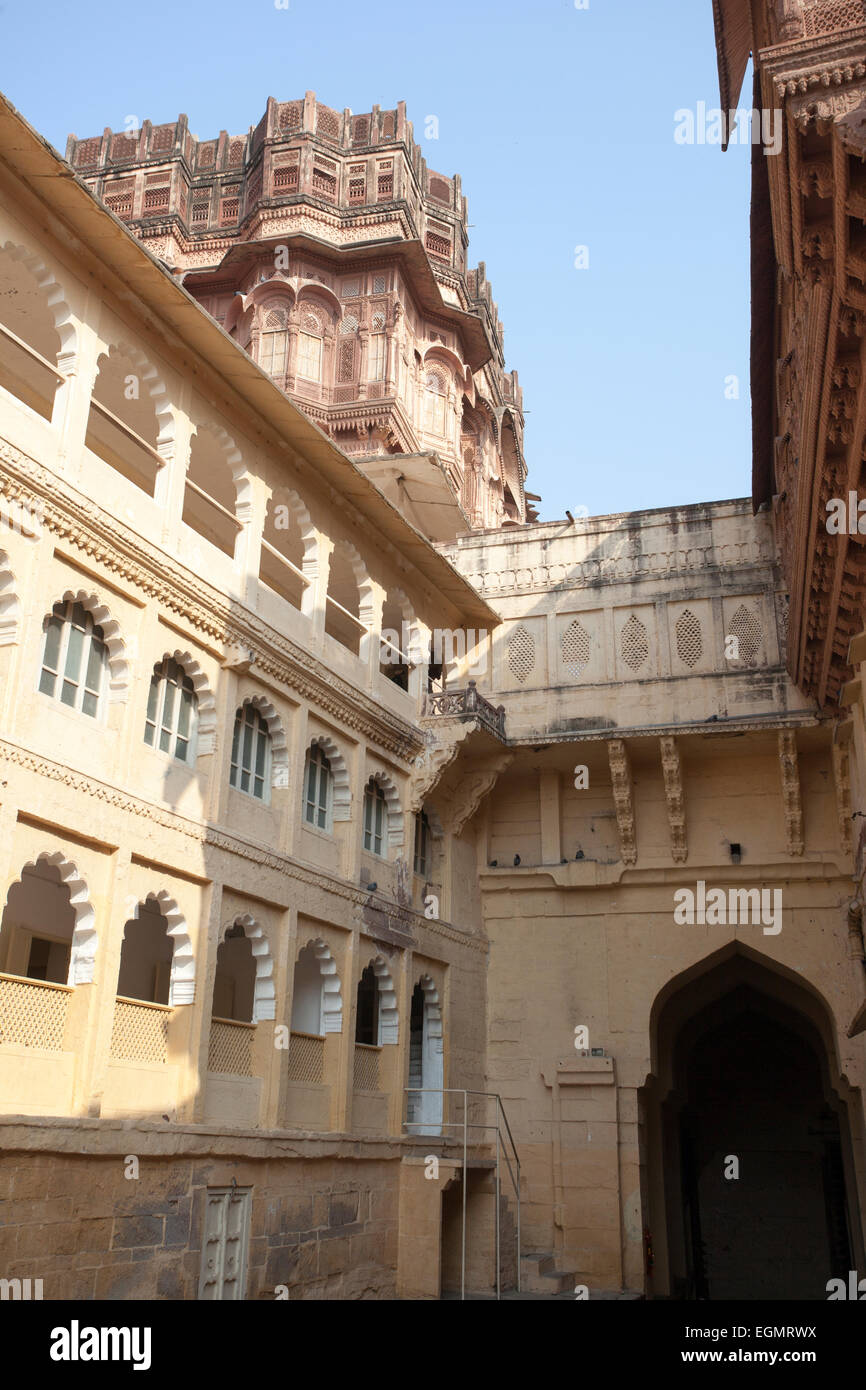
pixel 74 658
pixel 250 753
pixel 317 796
pixel 374 817
pixel 422 845
pixel 434 409
pixel 273 351
pixel 377 357
pixel 171 704
pixel 309 356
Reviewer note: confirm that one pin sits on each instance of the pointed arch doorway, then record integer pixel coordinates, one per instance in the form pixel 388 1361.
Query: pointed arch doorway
pixel 749 1182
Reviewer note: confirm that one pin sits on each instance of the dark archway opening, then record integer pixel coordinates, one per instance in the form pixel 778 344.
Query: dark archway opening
pixel 749 1178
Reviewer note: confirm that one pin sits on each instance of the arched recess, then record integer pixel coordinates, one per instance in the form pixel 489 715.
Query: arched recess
pixel 342 802
pixel 55 302
pixel 426 1059
pixel 317 296
pixel 10 607
pixel 82 955
pixel 722 1034
pixel 150 382
pixel 394 811
pixel 205 700
pixel 273 293
pixel 279 747
pixel 388 1015
pixel 264 995
pixel 438 352
pixel 350 586
pixel 181 989
pixel 399 616
pixel 331 1004
pixel 289 530
pixel 243 501
pixel 118 664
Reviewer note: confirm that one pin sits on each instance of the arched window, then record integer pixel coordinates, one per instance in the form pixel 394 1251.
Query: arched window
pixel 308 994
pixel 74 658
pixel 274 345
pixel 235 977
pixel 146 956
pixel 29 342
pixel 422 858
pixel 367 1013
pixel 434 402
pixel 375 817
pixel 378 348
pixel 251 753
pixel 310 348
pixel 171 709
pixel 319 790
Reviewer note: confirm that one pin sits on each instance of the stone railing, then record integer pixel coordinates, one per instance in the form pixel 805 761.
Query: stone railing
pixel 230 1048
pixel 32 1012
pixel 306 1058
pixel 140 1031
pixel 366 1075
pixel 465 704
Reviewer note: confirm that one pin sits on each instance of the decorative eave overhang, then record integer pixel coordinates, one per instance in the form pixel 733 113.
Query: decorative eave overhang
pixel 732 21
pixel 144 283
pixel 410 253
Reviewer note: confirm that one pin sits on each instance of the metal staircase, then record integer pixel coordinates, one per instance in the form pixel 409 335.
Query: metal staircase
pixel 493 1148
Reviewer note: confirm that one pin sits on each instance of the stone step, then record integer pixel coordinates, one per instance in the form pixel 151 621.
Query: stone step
pixel 538 1274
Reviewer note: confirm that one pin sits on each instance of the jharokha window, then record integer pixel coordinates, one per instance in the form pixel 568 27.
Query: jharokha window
pixel 274 345
pixel 251 753
pixel 74 659
pixel 171 704
pixel 434 403
pixel 310 349
pixel 318 797
pixel 375 817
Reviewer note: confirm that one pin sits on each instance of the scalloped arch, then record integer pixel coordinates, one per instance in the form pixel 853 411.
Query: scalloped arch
pixel 205 699
pixel 234 459
pixel 118 664
pixel 10 606
pixel 264 992
pixel 82 956
pixel 389 1019
pixel 181 988
pixel 54 299
pixel 332 996
pixel 395 810
pixel 415 645
pixel 287 497
pixel 313 291
pixel 279 747
pixel 362 579
pixel 156 389
pixel 342 799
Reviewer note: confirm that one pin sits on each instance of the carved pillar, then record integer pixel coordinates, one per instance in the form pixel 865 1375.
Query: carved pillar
pixel 672 769
pixel 791 791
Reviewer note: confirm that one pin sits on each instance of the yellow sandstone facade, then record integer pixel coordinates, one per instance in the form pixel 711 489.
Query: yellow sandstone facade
pixel 273 900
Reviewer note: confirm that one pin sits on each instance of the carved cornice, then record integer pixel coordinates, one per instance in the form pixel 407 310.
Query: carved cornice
pixel 83 525
pixel 672 769
pixel 215 837
pixel 620 771
pixel 791 798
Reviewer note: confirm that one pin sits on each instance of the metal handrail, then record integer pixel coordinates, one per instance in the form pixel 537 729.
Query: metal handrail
pixel 362 626
pixel 206 497
pixel 127 430
pixel 466 1125
pixel 278 555
pixel 31 351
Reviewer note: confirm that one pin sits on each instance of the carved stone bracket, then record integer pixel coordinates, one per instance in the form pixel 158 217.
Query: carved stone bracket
pixel 439 754
pixel 620 771
pixel 673 774
pixel 791 798
pixel 473 788
pixel 842 779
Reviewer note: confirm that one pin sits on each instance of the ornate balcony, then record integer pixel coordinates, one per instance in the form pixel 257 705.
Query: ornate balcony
pixel 465 704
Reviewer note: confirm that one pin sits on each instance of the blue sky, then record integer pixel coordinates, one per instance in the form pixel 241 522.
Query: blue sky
pixel 561 124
